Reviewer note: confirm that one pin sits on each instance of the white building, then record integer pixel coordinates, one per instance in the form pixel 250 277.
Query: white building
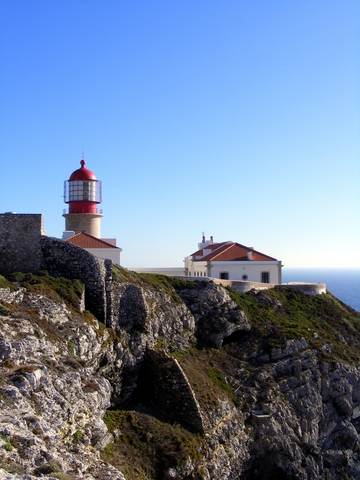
pixel 232 261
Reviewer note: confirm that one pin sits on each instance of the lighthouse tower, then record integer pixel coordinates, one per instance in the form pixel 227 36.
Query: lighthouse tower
pixel 83 194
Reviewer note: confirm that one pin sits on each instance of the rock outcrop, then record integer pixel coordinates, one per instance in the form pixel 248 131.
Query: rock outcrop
pixel 190 381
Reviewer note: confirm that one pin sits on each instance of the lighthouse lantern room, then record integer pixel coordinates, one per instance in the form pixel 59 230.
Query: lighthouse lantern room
pixel 82 192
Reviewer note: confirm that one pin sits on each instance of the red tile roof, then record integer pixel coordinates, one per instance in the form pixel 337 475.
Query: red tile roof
pixel 84 240
pixel 230 251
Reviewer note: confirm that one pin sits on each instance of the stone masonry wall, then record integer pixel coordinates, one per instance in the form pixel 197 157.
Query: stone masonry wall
pixel 23 248
pixel 63 259
pixel 168 392
pixel 20 237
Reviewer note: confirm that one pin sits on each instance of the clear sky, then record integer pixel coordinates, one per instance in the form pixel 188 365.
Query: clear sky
pixel 237 118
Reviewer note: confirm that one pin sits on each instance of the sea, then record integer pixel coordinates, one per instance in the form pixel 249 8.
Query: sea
pixel 343 283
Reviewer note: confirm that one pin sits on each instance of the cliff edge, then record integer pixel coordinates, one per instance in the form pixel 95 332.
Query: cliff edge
pixel 190 381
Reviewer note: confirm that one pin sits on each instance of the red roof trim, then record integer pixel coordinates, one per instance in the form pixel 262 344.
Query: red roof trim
pixel 78 237
pixel 222 248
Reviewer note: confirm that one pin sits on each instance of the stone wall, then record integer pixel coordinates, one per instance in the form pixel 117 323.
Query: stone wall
pixel 63 259
pixel 23 248
pixel 167 391
pixel 20 236
pixel 243 286
pixel 307 288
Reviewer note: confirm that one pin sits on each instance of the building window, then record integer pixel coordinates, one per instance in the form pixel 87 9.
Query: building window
pixel 244 277
pixel 224 275
pixel 265 277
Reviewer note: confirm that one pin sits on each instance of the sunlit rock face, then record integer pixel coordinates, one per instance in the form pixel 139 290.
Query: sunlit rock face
pixel 190 381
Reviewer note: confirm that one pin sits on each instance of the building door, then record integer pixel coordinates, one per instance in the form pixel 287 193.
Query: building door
pixel 265 277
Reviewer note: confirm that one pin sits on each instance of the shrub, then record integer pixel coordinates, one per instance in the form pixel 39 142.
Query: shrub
pixel 8 446
pixel 55 287
pixel 146 447
pixel 4 283
pixel 78 436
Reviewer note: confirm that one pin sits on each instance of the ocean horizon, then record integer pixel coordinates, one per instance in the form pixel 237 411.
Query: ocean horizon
pixel 343 283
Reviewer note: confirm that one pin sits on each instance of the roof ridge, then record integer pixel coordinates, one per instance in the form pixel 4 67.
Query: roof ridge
pixel 93 238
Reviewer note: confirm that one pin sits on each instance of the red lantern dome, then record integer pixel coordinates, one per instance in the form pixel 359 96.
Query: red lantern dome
pixel 82 173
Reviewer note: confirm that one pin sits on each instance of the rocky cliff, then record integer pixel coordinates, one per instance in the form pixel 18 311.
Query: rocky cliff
pixel 192 382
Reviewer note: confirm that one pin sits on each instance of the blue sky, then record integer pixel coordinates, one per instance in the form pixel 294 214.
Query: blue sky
pixel 237 118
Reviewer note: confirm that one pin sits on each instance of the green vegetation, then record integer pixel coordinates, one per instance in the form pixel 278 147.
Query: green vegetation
pixel 168 285
pixel 205 370
pixel 161 343
pixel 160 282
pixel 280 314
pixel 179 283
pixel 4 283
pixel 4 311
pixel 8 446
pixel 59 288
pixel 71 346
pixel 123 275
pixel 218 378
pixel 78 436
pixel 11 467
pixel 145 447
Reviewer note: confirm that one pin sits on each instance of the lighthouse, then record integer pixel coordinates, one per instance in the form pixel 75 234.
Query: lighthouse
pixel 82 192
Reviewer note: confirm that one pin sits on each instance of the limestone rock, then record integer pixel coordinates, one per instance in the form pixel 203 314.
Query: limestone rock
pixel 217 315
pixel 186 373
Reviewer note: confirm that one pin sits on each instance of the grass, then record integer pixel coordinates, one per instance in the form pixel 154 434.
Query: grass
pixel 7 445
pixel 78 436
pixel 206 371
pixel 55 287
pixel 145 447
pixel 321 320
pixel 161 283
pixel 71 346
pixel 218 379
pixel 11 467
pixel 4 283
pixel 121 274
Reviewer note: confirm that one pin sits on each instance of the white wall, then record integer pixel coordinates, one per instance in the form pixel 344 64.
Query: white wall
pixel 106 253
pixel 195 269
pixel 252 269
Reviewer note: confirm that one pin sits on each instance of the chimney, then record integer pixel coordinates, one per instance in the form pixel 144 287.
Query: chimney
pixel 250 254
